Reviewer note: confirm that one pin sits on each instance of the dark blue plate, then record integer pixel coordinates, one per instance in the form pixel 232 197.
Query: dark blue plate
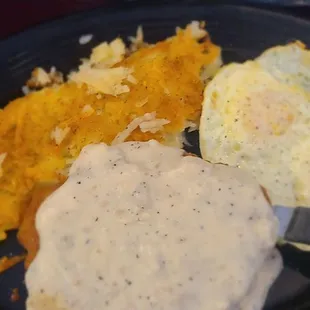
pixel 242 32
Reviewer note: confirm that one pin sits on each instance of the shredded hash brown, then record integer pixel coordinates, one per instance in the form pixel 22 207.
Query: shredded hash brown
pixel 43 132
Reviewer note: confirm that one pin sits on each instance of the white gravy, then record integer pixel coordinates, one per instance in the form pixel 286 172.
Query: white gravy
pixel 138 226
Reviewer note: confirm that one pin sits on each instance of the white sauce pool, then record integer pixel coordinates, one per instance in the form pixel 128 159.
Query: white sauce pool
pixel 138 226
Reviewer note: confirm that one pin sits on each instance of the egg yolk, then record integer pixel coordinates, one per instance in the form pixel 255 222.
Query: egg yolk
pixel 267 113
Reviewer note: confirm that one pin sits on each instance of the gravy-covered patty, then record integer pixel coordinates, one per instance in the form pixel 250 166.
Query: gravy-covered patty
pixel 139 226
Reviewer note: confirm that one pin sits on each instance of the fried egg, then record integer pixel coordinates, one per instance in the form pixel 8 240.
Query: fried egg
pixel 256 116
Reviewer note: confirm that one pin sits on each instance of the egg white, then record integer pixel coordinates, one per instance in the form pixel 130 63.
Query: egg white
pixel 256 116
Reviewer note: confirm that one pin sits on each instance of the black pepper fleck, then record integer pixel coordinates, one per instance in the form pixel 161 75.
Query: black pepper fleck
pixel 128 282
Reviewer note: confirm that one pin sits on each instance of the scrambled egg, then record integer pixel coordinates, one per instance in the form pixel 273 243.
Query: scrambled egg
pixel 42 133
pixel 256 116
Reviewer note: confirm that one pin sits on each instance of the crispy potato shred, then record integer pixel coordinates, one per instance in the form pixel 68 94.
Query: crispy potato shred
pixel 7 262
pixel 15 295
pixel 43 132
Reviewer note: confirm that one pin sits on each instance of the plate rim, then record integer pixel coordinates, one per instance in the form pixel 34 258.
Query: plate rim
pixel 139 8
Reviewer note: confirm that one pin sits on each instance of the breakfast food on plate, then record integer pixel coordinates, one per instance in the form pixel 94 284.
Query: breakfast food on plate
pixel 7 262
pixel 27 233
pixel 256 116
pixel 139 225
pixel 118 94
pixel 142 224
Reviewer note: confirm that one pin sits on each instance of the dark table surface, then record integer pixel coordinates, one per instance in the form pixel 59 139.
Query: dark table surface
pixel 17 15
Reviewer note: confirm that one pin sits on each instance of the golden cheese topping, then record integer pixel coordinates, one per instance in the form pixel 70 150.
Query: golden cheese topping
pixel 41 133
pixel 139 225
